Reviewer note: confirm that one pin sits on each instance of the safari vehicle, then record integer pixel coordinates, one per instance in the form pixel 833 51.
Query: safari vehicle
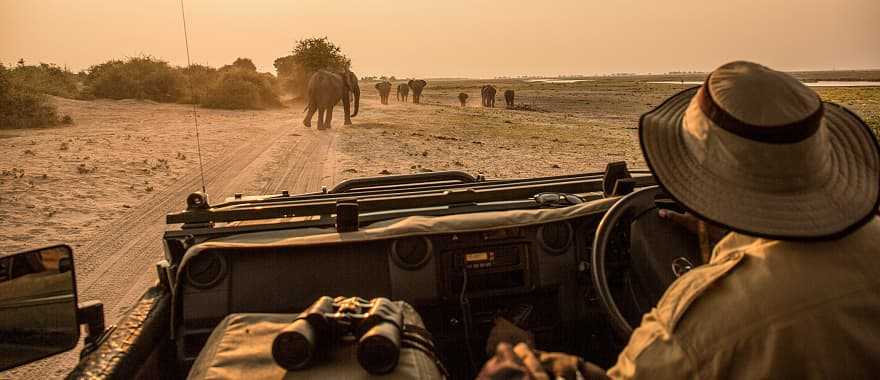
pixel 573 260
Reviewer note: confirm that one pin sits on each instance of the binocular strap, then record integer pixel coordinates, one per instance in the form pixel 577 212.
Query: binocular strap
pixel 419 338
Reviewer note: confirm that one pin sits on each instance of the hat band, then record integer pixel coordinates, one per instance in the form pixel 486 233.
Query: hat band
pixel 777 134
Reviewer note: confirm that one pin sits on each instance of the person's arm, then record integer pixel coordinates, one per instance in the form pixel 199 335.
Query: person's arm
pixel 708 233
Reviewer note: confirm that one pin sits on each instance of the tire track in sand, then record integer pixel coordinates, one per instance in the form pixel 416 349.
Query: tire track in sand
pixel 132 246
pixel 309 154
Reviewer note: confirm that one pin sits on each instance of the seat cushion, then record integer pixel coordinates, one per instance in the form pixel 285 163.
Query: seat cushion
pixel 241 348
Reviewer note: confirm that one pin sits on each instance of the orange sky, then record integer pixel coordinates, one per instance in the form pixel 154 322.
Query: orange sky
pixel 456 38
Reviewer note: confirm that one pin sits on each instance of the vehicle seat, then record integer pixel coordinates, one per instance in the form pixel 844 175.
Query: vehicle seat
pixel 240 347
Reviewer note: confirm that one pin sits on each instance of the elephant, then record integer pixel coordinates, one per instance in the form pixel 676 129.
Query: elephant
pixel 417 85
pixel 462 97
pixel 402 92
pixel 326 89
pixel 384 89
pixel 508 98
pixel 488 94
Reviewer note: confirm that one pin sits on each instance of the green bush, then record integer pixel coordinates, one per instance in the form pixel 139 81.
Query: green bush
pixel 135 78
pixel 46 78
pixel 23 107
pixel 242 89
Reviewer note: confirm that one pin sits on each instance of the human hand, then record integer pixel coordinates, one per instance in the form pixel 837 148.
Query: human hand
pixel 523 363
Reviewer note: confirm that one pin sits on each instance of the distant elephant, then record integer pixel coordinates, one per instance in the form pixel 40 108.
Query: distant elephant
pixel 384 89
pixel 402 92
pixel 417 86
pixel 488 94
pixel 462 97
pixel 508 98
pixel 326 89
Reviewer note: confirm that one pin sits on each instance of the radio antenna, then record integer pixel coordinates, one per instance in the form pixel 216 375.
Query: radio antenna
pixel 192 95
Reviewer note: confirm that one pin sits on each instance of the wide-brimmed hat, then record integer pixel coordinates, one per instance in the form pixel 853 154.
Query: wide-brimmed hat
pixel 756 150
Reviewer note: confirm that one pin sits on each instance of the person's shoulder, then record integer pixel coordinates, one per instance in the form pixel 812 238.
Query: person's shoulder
pixel 694 284
pixel 772 280
pixel 864 237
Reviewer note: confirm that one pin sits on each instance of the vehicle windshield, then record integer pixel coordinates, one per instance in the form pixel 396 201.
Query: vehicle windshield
pixel 112 113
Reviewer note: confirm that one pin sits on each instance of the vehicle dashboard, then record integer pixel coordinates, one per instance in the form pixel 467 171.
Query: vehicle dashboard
pixel 539 271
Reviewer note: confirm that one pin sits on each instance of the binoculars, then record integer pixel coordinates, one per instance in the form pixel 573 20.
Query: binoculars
pixel 376 324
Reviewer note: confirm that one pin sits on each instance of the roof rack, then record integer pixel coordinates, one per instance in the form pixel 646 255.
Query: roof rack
pixel 403 192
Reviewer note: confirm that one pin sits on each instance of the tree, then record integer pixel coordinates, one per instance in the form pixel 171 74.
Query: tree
pixel 245 63
pixel 308 56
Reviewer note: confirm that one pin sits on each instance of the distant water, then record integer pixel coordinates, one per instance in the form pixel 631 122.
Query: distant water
pixel 821 83
pixel 558 80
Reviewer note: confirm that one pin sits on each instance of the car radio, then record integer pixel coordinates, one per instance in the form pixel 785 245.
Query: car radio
pixel 489 269
pixel 489 258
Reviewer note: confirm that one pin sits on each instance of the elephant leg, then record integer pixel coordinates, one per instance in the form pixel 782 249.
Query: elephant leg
pixel 321 118
pixel 311 112
pixel 329 119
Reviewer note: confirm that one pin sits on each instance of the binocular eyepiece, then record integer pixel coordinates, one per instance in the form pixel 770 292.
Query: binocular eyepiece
pixel 376 325
pixel 296 346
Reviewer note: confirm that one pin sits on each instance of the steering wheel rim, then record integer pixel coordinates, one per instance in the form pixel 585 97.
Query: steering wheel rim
pixel 629 206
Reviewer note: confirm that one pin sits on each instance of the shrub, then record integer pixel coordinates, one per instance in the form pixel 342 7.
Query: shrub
pixel 197 80
pixel 135 78
pixel 23 107
pixel 46 78
pixel 242 89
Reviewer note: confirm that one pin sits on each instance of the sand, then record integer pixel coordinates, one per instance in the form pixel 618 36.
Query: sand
pixel 104 184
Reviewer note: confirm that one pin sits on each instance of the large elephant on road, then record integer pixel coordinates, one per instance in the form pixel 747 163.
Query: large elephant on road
pixel 487 92
pixel 384 89
pixel 326 89
pixel 402 92
pixel 417 85
pixel 508 98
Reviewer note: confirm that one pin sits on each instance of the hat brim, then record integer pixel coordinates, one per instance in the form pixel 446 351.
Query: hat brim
pixel 846 200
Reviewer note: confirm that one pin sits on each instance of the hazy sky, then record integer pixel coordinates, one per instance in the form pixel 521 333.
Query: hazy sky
pixel 456 38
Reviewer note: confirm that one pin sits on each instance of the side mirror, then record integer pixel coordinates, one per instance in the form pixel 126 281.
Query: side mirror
pixel 39 314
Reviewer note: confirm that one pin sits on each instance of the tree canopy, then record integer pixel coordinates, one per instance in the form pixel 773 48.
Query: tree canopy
pixel 308 56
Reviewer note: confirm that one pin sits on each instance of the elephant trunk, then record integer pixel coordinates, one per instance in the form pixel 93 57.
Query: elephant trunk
pixel 356 90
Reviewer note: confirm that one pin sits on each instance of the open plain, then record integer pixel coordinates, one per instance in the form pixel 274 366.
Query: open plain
pixel 104 184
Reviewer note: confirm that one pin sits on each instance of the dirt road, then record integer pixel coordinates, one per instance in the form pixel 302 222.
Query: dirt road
pixel 243 152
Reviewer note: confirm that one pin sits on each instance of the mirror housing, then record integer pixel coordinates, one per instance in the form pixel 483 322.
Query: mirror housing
pixel 39 313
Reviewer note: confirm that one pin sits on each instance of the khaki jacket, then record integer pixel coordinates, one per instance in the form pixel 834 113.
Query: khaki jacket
pixel 765 309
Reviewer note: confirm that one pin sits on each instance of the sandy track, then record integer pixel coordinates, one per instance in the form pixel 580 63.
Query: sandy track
pixel 118 261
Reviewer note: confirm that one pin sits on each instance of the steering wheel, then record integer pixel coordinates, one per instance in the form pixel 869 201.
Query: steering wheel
pixel 656 253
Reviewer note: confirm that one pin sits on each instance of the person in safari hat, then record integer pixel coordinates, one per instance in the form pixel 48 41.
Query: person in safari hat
pixel 794 290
